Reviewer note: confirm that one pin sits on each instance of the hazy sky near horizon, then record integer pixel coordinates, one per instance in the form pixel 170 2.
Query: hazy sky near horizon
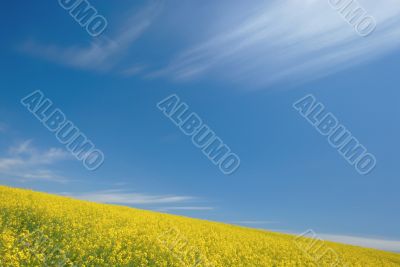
pixel 240 66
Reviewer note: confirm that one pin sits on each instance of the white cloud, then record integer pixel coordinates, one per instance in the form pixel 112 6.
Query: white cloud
pixel 293 39
pixel 26 162
pixel 103 53
pixel 255 222
pixel 367 242
pixel 26 154
pixel 383 244
pixel 129 198
pixel 187 208
pixel 41 175
pixel 9 163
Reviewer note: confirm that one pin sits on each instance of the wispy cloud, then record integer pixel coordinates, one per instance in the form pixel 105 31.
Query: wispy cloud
pixel 383 244
pixel 255 222
pixel 25 162
pixel 187 208
pixel 129 198
pixel 104 52
pixel 293 39
pixel 361 241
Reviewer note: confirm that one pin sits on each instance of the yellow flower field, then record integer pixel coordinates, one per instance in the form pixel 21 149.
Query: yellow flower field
pixel 39 229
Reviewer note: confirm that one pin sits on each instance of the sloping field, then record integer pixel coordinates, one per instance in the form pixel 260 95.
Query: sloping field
pixel 44 230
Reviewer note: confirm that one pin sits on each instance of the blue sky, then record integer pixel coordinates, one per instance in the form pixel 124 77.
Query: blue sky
pixel 240 66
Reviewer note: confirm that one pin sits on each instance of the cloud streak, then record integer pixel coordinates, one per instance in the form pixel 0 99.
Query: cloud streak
pixel 388 245
pixel 128 198
pixel 255 222
pixel 103 53
pixel 187 208
pixel 288 39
